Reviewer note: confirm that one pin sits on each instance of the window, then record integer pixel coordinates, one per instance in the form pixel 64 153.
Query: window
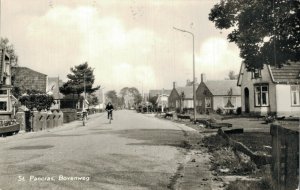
pixel 3 92
pixel 177 104
pixel 256 73
pixel 3 106
pixel 261 95
pixel 295 92
pixel 207 102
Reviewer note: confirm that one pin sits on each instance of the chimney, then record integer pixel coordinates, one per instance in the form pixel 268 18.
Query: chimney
pixel 203 77
pixel 174 84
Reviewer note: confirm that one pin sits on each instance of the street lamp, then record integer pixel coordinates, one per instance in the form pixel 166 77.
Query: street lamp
pixel 84 90
pixel 194 94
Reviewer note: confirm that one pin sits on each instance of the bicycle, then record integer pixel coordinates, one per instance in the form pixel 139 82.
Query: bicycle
pixel 84 118
pixel 109 115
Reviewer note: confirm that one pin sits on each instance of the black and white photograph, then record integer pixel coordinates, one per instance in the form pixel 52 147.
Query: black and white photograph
pixel 149 94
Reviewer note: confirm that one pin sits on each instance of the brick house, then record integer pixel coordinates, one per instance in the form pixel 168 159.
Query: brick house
pixel 28 79
pixel 6 104
pixel 271 90
pixel 223 94
pixel 181 97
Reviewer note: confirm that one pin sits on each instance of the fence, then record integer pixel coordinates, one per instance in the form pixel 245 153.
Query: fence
pixel 285 155
pixel 37 121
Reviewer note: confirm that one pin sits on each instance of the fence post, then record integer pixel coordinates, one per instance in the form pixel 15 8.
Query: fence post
pixel 285 157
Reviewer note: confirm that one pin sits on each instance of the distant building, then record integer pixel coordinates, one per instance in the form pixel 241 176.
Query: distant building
pixel 181 97
pixel 271 90
pixel 53 84
pixel 223 94
pixel 153 93
pixel 28 79
pixel 162 101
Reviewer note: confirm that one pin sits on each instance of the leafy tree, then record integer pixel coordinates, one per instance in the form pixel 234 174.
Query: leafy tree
pixel 75 84
pixel 4 44
pixel 153 100
pixel 133 92
pixel 112 97
pixel 232 75
pixel 92 99
pixel 121 102
pixel 138 98
pixel 266 31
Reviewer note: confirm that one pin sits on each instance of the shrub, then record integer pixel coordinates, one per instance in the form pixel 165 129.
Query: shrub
pixel 219 111
pixel 37 101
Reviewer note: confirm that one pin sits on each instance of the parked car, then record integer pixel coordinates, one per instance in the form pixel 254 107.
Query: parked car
pixel 8 128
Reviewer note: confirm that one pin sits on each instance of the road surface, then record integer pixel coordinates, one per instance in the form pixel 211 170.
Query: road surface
pixel 136 151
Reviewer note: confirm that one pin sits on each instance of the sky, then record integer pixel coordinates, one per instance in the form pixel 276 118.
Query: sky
pixel 129 43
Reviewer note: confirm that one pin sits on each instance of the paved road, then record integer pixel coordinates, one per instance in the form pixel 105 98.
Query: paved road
pixel 134 152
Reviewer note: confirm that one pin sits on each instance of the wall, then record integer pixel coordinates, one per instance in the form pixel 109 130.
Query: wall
pixel 69 115
pixel 188 104
pixel 41 120
pixel 219 102
pixel 174 96
pixel 284 104
pixel 202 92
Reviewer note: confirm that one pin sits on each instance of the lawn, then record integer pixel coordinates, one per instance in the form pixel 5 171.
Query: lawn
pixel 256 141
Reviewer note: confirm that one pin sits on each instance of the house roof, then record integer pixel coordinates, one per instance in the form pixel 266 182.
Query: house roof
pixel 158 92
pixel 188 91
pixel 222 87
pixel 287 73
pixel 17 69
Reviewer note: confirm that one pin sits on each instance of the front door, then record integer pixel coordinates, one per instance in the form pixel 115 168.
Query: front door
pixel 246 96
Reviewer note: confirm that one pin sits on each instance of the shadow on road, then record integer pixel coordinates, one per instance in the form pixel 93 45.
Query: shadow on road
pixel 38 147
pixel 56 135
pixel 153 137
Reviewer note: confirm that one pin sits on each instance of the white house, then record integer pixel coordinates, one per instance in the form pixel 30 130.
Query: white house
pixel 271 90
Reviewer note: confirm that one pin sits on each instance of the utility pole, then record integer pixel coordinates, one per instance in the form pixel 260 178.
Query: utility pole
pixel 84 90
pixel 0 15
pixel 194 88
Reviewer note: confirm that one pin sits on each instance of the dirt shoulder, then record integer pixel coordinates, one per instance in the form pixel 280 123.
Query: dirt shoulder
pixel 212 164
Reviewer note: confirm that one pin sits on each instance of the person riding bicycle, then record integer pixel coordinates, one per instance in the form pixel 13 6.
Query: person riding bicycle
pixel 109 108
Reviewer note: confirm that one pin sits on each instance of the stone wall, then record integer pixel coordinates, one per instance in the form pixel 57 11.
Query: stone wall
pixel 41 120
pixel 69 115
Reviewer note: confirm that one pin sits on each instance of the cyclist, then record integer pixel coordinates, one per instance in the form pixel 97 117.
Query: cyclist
pixel 84 116
pixel 109 108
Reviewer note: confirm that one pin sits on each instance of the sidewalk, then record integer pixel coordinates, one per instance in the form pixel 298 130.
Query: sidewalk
pixel 68 126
